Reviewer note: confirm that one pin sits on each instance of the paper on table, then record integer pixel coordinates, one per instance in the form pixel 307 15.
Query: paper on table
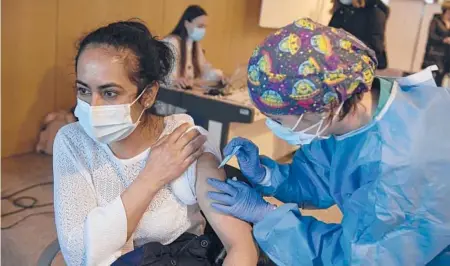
pixel 228 157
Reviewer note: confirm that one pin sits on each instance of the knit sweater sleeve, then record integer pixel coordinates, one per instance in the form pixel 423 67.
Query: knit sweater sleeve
pixel 88 234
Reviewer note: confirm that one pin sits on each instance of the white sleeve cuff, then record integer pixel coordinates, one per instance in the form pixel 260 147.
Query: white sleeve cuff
pixel 266 182
pixel 184 186
pixel 105 233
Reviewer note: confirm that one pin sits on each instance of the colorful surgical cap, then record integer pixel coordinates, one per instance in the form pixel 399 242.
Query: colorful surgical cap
pixel 307 67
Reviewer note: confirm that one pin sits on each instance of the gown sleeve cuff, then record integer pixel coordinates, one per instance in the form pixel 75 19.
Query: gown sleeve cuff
pixel 266 186
pixel 263 229
pixel 280 228
pixel 266 182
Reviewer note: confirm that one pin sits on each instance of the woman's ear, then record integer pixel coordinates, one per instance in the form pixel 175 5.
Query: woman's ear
pixel 149 97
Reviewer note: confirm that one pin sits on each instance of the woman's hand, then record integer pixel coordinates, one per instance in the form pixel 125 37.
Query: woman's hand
pixel 447 40
pixel 182 83
pixel 168 159
pixel 173 154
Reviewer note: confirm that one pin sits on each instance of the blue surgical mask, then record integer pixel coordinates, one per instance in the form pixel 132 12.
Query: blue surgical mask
pixel 300 137
pixel 197 34
pixel 289 135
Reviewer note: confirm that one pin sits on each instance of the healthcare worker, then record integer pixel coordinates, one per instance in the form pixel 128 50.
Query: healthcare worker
pixel 379 149
pixel 437 51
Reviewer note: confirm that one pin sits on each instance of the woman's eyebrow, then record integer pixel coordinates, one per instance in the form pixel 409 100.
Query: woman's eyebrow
pixel 82 83
pixel 109 85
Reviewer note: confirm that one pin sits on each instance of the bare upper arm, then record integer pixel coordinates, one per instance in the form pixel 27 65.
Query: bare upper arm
pixel 230 230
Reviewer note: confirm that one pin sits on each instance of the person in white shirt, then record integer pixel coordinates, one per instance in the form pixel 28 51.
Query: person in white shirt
pixel 191 67
pixel 124 177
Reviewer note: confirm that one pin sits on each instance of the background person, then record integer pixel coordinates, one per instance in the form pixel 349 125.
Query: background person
pixel 365 19
pixel 438 45
pixel 191 67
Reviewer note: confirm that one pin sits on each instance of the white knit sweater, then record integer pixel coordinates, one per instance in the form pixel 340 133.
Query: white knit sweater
pixel 90 217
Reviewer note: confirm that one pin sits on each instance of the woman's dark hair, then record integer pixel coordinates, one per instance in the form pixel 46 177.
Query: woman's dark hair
pixel 180 31
pixel 150 60
pixel 351 103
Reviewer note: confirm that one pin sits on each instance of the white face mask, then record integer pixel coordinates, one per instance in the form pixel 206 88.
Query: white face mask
pixel 197 34
pixel 300 137
pixel 346 2
pixel 107 123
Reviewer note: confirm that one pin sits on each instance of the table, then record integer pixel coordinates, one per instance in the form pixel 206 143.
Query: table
pixel 219 111
pixel 228 116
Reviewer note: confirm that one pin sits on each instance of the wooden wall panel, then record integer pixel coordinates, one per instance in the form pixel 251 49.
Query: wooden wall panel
pixel 77 18
pixel 246 34
pixel 28 74
pixel 278 13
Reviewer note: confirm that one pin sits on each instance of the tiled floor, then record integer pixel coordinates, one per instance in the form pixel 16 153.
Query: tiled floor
pixel 23 244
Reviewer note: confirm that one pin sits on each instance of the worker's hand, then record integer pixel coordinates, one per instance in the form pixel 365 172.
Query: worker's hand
pixel 172 155
pixel 447 40
pixel 182 83
pixel 238 199
pixel 248 159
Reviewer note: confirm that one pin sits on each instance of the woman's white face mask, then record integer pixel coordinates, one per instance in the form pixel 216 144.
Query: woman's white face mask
pixel 346 2
pixel 107 123
pixel 197 28
pixel 301 137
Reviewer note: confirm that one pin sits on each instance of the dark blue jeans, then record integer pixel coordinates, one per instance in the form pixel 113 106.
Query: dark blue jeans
pixel 187 250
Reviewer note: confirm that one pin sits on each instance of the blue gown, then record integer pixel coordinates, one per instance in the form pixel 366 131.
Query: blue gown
pixel 391 180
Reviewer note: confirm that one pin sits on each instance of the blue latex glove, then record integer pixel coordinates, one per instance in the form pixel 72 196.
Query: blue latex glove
pixel 238 199
pixel 248 159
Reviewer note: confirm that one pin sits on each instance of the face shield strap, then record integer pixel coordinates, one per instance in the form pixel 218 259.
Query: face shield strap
pixel 308 128
pixel 298 122
pixel 319 124
pixel 338 111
